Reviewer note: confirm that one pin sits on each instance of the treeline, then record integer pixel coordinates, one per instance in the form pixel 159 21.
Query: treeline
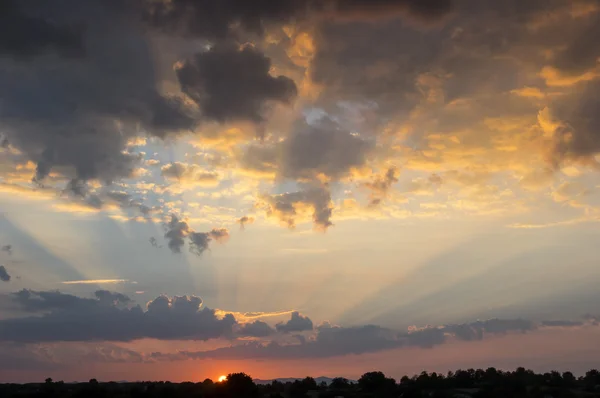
pixel 462 383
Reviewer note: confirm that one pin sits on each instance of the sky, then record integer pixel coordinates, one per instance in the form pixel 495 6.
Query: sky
pixel 325 188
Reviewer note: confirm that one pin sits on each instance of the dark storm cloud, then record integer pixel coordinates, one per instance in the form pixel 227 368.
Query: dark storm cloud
pixel 107 317
pixel 24 34
pixel 286 206
pixel 78 114
pixel 215 20
pixel 177 231
pixel 231 84
pixel 256 329
pixel 4 276
pixel 297 323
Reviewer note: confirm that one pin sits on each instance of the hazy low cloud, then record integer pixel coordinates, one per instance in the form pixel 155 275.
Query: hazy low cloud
pixel 332 340
pixel 7 249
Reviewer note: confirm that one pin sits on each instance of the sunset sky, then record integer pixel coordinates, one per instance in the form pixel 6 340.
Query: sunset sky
pixel 190 188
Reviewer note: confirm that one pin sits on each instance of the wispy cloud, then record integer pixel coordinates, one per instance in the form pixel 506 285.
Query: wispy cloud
pixel 573 221
pixel 249 316
pixel 97 281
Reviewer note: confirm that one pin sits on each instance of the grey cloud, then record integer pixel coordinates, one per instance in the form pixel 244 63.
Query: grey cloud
pixel 78 115
pixel 199 241
pixel 71 318
pixel 245 220
pixel 329 342
pixel 323 148
pixel 380 185
pixel 581 52
pixel 579 136
pixel 105 296
pixel 154 242
pixel 297 323
pixel 332 341
pixel 177 231
pixel 286 206
pixel 231 84
pixel 190 173
pixel 7 249
pixel 426 337
pixel 559 323
pixel 4 276
pixel 256 329
pixel 24 34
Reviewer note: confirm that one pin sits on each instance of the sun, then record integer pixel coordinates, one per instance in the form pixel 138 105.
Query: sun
pixel 222 379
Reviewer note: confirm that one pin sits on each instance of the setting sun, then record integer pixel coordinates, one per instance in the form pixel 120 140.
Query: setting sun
pixel 222 379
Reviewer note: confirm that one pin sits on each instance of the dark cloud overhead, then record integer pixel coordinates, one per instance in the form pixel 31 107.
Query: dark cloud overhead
pixel 77 115
pixel 23 34
pixel 229 18
pixel 232 84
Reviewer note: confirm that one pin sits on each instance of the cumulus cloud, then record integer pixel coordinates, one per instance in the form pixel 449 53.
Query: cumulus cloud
pixel 178 230
pixel 243 221
pixel 297 323
pixel 4 276
pixel 231 84
pixel 287 207
pixel 322 149
pixel 331 341
pixel 381 185
pixel 64 317
pixel 199 241
pixel 189 174
pixel 256 329
pixel 59 116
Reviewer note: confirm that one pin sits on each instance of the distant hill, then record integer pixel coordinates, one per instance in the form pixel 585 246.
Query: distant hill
pixel 319 380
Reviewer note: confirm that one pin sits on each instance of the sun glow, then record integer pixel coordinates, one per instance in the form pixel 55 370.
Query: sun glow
pixel 222 379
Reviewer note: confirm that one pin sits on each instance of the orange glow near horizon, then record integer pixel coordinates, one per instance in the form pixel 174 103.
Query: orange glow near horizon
pixel 222 378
